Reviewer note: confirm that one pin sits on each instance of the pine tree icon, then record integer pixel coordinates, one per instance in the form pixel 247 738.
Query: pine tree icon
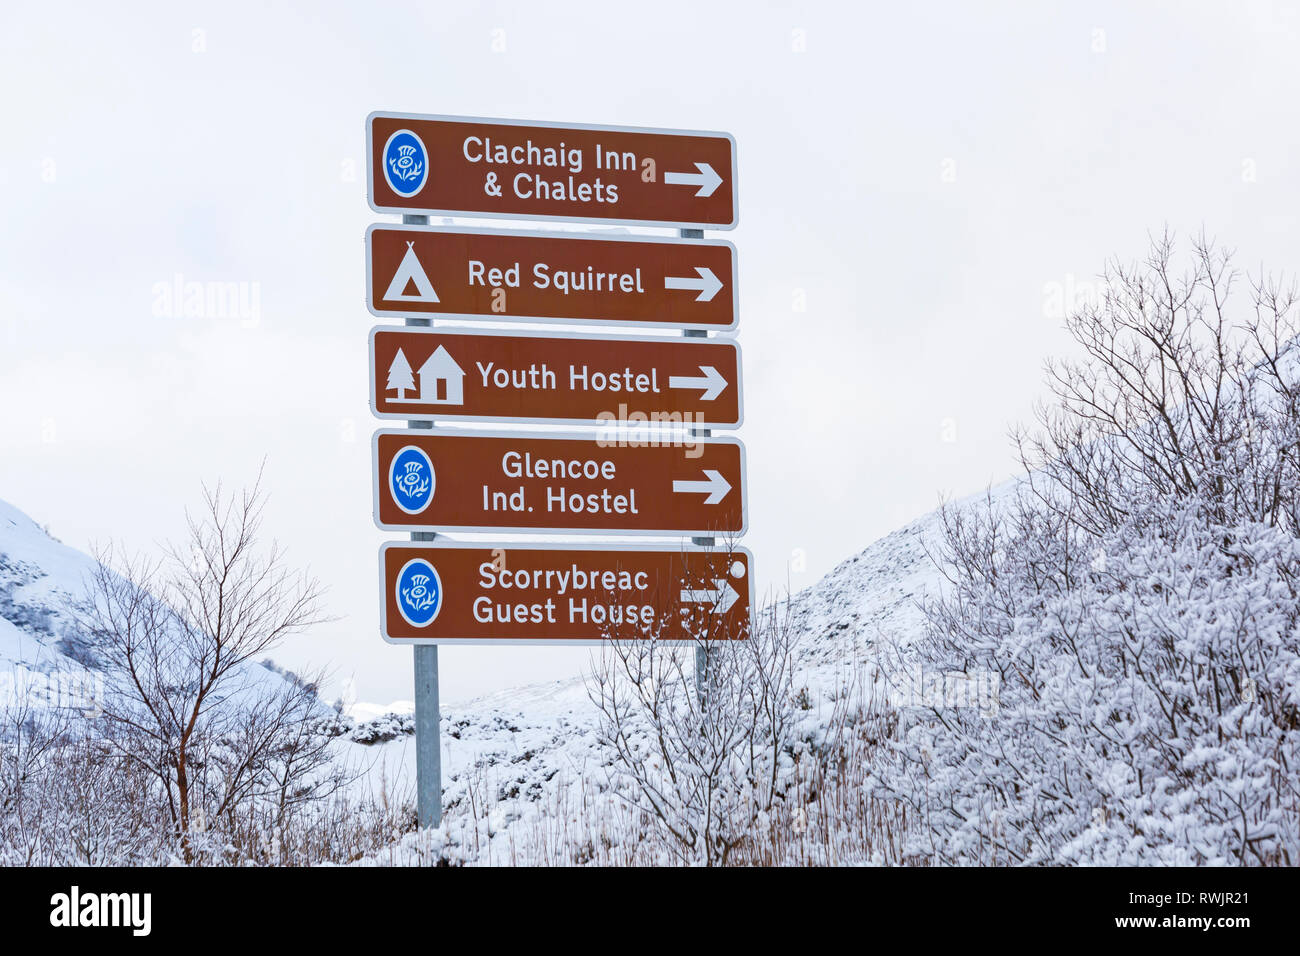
pixel 400 376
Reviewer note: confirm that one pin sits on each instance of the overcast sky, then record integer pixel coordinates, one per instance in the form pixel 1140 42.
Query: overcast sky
pixel 922 187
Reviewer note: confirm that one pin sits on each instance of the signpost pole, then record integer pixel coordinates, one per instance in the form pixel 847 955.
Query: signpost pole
pixel 428 747
pixel 428 743
pixel 701 653
pixel 685 283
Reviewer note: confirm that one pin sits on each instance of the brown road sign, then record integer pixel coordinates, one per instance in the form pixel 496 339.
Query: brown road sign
pixel 551 378
pixel 515 169
pixel 511 482
pixel 525 276
pixel 463 593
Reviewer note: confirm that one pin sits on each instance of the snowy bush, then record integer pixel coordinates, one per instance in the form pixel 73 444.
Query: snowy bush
pixel 696 731
pixel 189 751
pixel 383 729
pixel 1137 597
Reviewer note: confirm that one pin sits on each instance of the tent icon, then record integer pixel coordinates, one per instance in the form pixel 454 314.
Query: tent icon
pixel 410 272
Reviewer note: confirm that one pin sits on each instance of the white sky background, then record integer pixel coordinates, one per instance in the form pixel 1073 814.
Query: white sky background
pixel 126 158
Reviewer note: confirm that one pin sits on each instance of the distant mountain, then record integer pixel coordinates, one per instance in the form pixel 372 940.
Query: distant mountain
pixel 40 578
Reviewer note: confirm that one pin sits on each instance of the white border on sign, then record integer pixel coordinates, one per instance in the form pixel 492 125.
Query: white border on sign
pixel 371 300
pixel 423 415
pixel 594 127
pixel 443 543
pixel 739 488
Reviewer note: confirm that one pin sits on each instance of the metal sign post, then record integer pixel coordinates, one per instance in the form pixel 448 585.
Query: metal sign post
pixel 428 719
pixel 701 653
pixel 430 482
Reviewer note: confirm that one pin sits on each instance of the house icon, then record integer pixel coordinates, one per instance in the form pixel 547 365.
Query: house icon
pixel 442 381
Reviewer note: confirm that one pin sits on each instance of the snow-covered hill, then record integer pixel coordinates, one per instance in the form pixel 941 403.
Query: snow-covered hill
pixel 510 759
pixel 40 579
pixel 38 575
pixel 521 767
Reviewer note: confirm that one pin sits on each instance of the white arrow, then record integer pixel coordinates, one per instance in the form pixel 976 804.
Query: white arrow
pixel 708 285
pixel 720 601
pixel 706 179
pixel 711 381
pixel 716 487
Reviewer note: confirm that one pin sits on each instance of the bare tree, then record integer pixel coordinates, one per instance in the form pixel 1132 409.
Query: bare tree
pixel 698 753
pixel 1176 394
pixel 177 640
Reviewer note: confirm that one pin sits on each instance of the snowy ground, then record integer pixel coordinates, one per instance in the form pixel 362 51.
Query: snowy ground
pixel 531 752
pixel 518 754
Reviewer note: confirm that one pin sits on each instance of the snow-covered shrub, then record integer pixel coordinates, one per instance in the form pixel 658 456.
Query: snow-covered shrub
pixel 383 729
pixel 1137 599
pixel 1147 710
pixel 697 731
pixel 67 798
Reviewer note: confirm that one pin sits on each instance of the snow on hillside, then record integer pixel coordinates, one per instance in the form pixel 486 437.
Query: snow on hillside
pixel 510 759
pixel 40 578
pixel 855 628
pixel 515 763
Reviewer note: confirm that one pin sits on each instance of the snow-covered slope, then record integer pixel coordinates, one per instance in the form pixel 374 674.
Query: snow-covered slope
pixel 507 756
pixel 40 578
